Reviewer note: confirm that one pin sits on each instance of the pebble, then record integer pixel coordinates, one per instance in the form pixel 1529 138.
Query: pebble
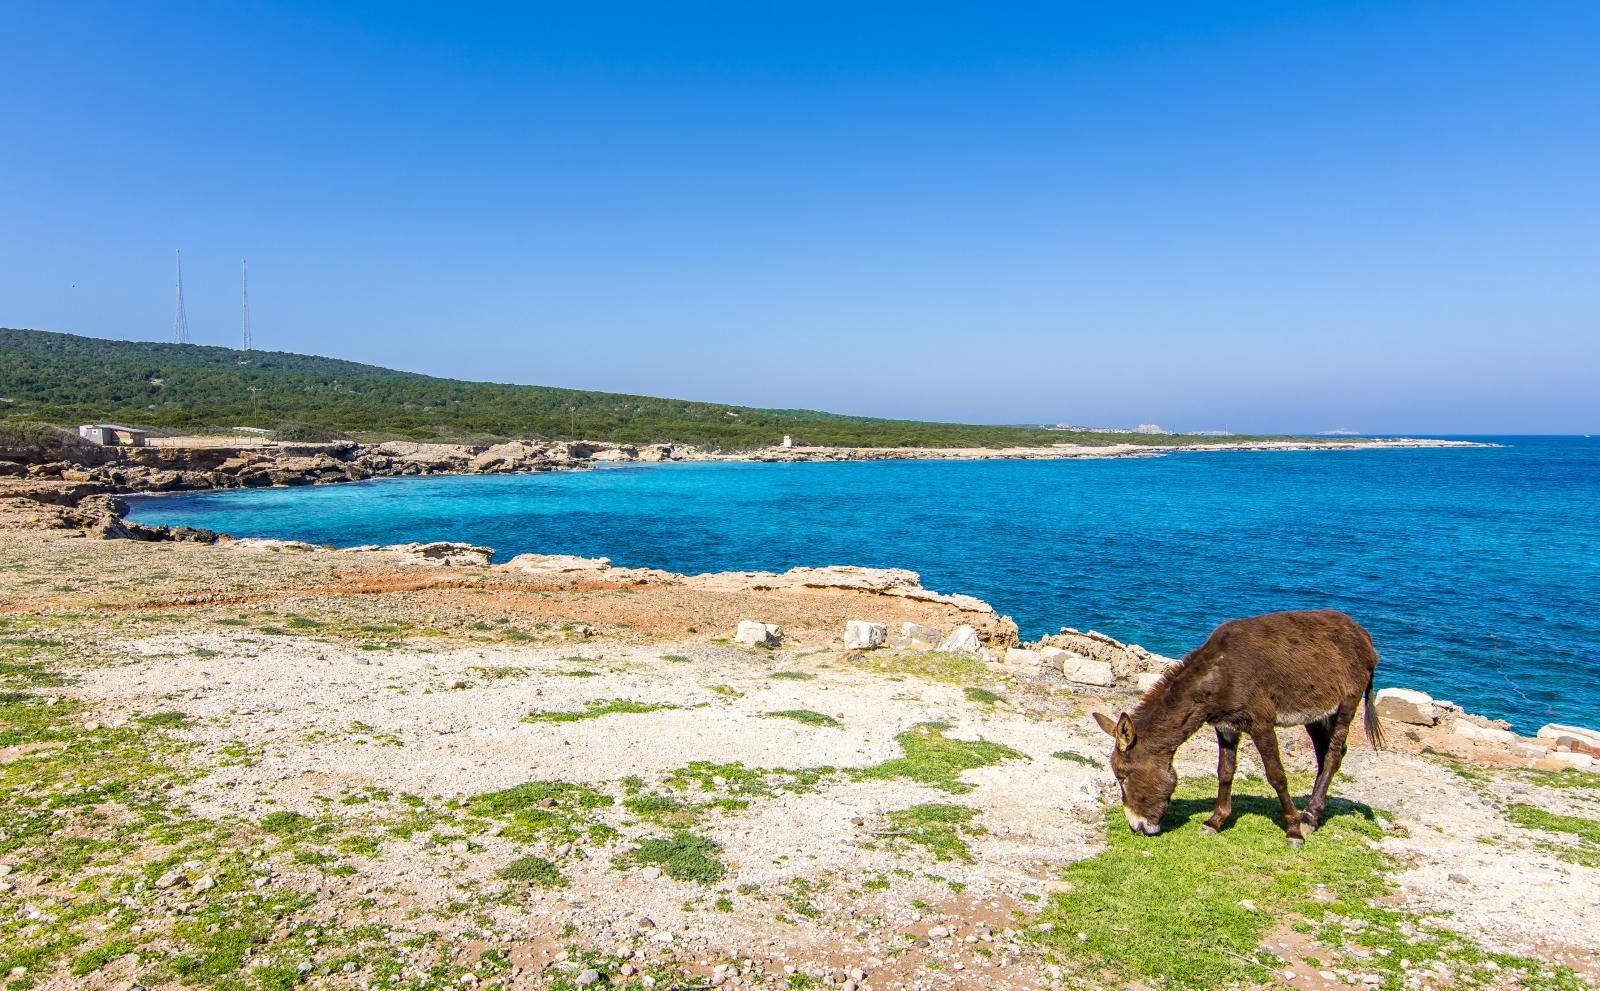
pixel 588 977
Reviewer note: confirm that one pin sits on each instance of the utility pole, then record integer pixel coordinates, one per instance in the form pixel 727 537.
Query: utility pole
pixel 180 320
pixel 244 282
pixel 253 400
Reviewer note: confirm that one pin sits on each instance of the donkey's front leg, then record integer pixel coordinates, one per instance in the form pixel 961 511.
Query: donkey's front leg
pixel 1266 741
pixel 1227 761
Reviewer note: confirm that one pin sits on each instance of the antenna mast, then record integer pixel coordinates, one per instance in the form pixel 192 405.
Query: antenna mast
pixel 244 281
pixel 180 320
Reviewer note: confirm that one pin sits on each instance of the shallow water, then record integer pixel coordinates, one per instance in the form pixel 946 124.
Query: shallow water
pixel 1477 570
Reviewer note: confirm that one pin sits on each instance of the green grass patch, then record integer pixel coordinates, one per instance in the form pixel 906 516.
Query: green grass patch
pixel 937 827
pixel 792 676
pixel 929 665
pixel 599 709
pixel 546 809
pixel 931 758
pixel 808 716
pixel 1176 910
pixel 1073 757
pixel 741 782
pixel 682 856
pixel 499 672
pixel 983 695
pixel 532 870
pixel 1587 831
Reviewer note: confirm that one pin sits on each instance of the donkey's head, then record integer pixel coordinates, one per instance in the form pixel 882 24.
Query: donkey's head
pixel 1144 773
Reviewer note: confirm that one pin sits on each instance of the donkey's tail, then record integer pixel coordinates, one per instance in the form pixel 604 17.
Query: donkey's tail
pixel 1369 717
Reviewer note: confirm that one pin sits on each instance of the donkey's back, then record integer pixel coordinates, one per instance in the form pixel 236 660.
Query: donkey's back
pixel 1287 669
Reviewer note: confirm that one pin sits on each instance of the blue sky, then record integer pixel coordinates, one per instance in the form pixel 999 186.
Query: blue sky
pixel 1252 216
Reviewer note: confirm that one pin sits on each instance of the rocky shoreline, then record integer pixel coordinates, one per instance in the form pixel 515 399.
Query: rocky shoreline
pixel 202 464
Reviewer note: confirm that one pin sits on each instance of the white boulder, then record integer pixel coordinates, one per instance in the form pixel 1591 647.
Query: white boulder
pixel 1017 657
pixel 861 634
pixel 758 634
pixel 1087 671
pixel 962 640
pixel 918 635
pixel 1402 705
pixel 1481 734
pixel 1554 732
pixel 1147 681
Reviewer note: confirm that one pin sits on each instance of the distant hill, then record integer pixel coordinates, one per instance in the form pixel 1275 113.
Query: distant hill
pixel 66 379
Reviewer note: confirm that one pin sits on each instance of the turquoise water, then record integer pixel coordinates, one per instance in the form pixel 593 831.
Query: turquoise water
pixel 1477 570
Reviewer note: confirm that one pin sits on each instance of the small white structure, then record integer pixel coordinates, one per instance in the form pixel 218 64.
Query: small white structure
pixel 111 435
pixel 861 634
pixel 787 441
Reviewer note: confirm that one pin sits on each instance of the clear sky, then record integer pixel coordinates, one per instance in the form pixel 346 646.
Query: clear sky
pixel 1251 216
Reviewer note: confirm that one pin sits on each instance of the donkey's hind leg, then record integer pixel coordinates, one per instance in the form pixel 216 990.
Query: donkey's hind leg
pixel 1338 733
pixel 1227 760
pixel 1266 741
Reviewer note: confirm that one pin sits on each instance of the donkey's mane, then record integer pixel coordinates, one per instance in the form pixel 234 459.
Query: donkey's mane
pixel 1157 692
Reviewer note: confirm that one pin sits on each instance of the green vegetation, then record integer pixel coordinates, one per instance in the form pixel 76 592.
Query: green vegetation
pixel 983 695
pixel 1186 910
pixel 533 870
pixel 1073 757
pixel 548 809
pixel 946 667
pixel 808 716
pixel 935 826
pixel 933 759
pixel 682 856
pixel 66 379
pixel 1586 851
pixel 793 676
pixel 597 709
pixel 742 782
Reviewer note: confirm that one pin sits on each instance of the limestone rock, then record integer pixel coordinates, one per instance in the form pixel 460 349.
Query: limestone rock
pixel 557 563
pixel 1087 671
pixel 962 640
pixel 1021 659
pixel 1402 705
pixel 917 635
pixel 442 553
pixel 1470 730
pixel 758 634
pixel 861 634
pixel 1576 739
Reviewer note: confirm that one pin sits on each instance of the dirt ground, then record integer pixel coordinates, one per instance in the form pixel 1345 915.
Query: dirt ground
pixel 357 729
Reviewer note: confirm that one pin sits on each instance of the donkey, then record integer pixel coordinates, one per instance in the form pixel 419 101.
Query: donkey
pixel 1250 677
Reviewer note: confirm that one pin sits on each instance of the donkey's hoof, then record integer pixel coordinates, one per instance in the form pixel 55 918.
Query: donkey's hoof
pixel 1297 841
pixel 1308 822
pixel 1206 829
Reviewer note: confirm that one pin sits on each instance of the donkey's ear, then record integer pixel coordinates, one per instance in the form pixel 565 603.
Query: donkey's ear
pixel 1106 723
pixel 1124 731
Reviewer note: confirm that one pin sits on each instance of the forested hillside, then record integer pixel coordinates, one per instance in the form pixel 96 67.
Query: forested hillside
pixel 66 379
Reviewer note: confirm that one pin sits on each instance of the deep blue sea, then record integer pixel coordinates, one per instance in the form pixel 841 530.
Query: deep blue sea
pixel 1477 570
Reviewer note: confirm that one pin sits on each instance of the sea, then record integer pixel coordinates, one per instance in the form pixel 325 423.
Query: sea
pixel 1477 570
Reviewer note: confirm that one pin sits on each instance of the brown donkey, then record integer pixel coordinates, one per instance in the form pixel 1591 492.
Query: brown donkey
pixel 1250 677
